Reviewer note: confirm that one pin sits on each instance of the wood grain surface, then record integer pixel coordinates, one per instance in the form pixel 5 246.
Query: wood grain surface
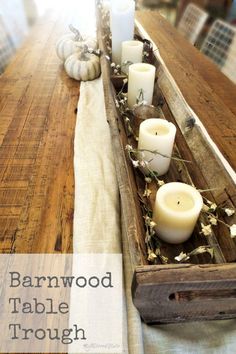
pixel 198 292
pixel 209 93
pixel 37 121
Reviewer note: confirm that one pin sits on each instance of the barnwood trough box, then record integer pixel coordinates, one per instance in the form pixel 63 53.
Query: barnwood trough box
pixel 203 287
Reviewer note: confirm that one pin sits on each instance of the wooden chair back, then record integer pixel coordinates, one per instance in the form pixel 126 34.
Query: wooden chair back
pixel 220 46
pixel 192 22
pixel 7 48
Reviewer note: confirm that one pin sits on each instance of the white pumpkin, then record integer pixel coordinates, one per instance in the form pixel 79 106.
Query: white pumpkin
pixel 72 42
pixel 83 66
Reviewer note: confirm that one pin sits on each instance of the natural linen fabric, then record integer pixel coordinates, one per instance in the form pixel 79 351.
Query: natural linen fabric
pixel 97 208
pixel 98 226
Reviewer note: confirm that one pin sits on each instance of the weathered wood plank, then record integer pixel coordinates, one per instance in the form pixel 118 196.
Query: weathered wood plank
pixel 206 173
pixel 176 293
pixel 133 217
pixel 167 293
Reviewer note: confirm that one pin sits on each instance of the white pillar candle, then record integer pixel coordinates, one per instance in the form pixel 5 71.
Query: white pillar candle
pixel 132 51
pixel 122 26
pixel 176 210
pixel 157 134
pixel 141 79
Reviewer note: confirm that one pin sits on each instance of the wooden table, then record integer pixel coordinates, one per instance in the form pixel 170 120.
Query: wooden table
pixel 37 121
pixel 207 91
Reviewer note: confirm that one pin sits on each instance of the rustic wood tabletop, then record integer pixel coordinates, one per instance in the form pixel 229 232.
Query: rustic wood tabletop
pixel 38 112
pixel 37 123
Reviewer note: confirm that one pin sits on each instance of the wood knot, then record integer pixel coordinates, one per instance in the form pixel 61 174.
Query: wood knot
pixel 190 122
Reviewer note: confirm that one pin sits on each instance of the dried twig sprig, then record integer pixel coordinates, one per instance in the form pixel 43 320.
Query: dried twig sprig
pixel 109 50
pixel 152 242
pixel 183 257
pixel 126 64
pixel 116 69
pixel 211 209
pixel 120 95
pixel 147 192
pixel 129 127
pixel 156 152
pixel 136 156
pixel 122 104
pixel 121 99
pixel 140 154
pixel 163 258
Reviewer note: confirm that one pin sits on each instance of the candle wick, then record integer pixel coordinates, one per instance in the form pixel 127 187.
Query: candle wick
pixel 156 133
pixel 178 202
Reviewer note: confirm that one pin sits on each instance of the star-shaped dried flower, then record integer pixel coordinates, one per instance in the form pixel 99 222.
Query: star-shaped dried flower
pixel 212 219
pixel 148 179
pixel 229 211
pixel 212 206
pixel 160 182
pixel 182 256
pixel 151 255
pixel 147 218
pixel 135 163
pixel 148 237
pixel 206 230
pixel 128 148
pixel 152 224
pixel 146 54
pixel 147 193
pixel 233 230
pixel 202 249
pixel 143 163
pixel 205 208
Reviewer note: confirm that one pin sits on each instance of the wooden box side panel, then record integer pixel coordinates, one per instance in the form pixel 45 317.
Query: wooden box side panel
pixel 214 175
pixel 130 205
pixel 178 293
pixel 173 293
